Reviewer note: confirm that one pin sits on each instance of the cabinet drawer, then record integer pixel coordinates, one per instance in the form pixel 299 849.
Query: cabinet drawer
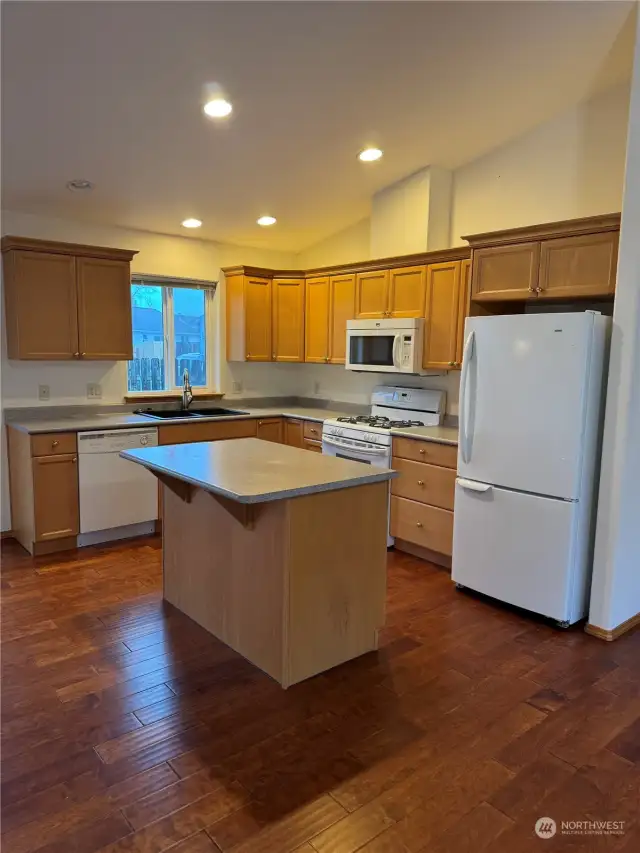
pixel 312 430
pixel 427 526
pixel 53 443
pixel 445 455
pixel 428 484
pixel 213 431
pixel 315 446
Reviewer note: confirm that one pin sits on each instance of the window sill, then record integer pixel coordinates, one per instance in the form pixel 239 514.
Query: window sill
pixel 169 396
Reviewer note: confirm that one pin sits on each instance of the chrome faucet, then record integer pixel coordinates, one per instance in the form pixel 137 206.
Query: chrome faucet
pixel 187 393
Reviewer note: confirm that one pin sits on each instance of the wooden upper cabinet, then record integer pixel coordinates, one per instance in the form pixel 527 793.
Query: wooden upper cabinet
pixel 442 310
pixel 463 308
pixel 257 318
pixel 66 301
pixel 342 298
pixel 372 295
pixel 407 291
pixel 41 305
pixel 55 496
pixel 288 319
pixel 104 309
pixel 580 266
pixel 505 272
pixel 316 319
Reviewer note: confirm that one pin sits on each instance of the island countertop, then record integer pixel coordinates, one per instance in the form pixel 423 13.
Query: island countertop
pixel 249 470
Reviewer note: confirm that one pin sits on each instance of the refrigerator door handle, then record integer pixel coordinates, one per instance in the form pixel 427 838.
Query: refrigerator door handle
pixel 473 486
pixel 466 360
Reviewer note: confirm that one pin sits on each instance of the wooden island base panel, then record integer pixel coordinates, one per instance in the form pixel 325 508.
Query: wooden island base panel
pixel 289 569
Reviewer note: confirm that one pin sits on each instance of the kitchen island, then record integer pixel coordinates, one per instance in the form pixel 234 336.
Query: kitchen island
pixel 278 552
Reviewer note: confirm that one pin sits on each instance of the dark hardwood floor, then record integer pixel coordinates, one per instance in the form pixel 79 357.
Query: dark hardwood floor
pixel 125 727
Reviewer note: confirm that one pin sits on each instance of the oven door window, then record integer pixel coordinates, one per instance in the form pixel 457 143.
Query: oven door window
pixel 374 350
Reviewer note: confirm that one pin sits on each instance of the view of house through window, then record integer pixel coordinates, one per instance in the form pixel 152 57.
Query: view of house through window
pixel 169 335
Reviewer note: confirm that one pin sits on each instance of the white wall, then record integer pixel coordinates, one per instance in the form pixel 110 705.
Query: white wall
pixel 615 593
pixel 350 244
pixel 569 167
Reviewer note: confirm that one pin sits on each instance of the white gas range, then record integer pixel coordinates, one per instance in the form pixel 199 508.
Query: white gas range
pixel 367 438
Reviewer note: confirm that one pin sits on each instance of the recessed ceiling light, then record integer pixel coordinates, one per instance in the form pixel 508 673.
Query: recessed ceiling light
pixel 191 223
pixel 266 220
pixel 78 185
pixel 368 155
pixel 217 108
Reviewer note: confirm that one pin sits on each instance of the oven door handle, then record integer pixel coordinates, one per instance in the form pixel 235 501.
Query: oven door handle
pixel 369 451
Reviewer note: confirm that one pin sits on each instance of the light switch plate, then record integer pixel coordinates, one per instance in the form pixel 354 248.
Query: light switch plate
pixel 44 392
pixel 316 387
pixel 94 390
pixel 237 387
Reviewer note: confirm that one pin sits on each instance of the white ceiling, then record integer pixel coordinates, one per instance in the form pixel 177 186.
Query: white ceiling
pixel 111 91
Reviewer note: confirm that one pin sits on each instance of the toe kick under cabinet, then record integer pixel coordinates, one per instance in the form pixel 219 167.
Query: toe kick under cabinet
pixel 422 498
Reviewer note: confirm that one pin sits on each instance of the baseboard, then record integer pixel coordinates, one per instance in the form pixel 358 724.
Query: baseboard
pixel 51 546
pixel 423 553
pixel 7 534
pixel 113 534
pixel 614 633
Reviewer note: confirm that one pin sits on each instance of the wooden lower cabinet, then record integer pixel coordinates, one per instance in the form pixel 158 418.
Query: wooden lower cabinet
pixel 422 498
pixel 270 429
pixel 294 432
pixel 423 525
pixel 314 446
pixel 312 431
pixel 209 431
pixel 55 496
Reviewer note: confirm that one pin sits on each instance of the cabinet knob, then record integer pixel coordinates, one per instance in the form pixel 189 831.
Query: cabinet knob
pixel 421 482
pixel 532 290
pixel 76 355
pixel 452 364
pixel 326 358
pixel 55 443
pixel 418 524
pixel 260 423
pixel 83 354
pixel 313 430
pixel 422 450
pixel 538 290
pixel 75 459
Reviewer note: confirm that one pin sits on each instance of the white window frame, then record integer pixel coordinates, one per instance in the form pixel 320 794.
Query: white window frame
pixel 168 283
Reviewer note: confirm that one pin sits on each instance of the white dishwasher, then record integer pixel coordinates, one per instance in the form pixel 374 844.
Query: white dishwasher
pixel 118 498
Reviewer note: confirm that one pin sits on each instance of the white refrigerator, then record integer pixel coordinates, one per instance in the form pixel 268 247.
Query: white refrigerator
pixel 531 406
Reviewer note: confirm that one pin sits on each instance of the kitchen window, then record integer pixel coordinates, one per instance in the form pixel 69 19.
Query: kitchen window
pixel 172 323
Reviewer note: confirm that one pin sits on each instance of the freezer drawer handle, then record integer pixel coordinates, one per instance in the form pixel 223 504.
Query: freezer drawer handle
pixel 473 486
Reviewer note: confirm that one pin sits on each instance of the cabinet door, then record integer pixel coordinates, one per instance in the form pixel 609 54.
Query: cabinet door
pixel 316 320
pixel 407 292
pixel 104 309
pixel 288 319
pixel 41 305
pixel 270 429
pixel 441 323
pixel 293 434
pixel 579 266
pixel 342 298
pixel 55 496
pixel 258 319
pixel 505 272
pixel 463 308
pixel 372 294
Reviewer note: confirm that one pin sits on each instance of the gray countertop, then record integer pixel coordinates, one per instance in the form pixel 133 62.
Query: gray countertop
pixel 122 420
pixel 250 471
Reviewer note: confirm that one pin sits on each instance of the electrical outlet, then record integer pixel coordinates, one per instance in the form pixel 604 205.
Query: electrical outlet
pixel 316 387
pixel 236 387
pixel 94 391
pixel 44 392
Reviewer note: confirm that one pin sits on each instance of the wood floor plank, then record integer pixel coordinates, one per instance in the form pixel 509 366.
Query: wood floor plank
pixel 126 727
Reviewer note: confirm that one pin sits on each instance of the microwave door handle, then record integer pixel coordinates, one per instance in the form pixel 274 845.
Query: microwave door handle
pixel 397 342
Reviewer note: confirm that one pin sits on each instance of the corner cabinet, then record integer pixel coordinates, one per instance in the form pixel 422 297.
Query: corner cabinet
pixel 65 301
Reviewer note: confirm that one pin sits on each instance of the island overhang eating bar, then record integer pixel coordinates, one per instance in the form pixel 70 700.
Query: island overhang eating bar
pixel 278 552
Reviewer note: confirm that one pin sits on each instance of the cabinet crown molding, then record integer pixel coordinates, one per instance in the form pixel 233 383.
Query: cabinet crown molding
pixel 27 244
pixel 546 230
pixel 457 253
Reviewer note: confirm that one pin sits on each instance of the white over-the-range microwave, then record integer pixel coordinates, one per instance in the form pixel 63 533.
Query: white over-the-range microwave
pixel 386 346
